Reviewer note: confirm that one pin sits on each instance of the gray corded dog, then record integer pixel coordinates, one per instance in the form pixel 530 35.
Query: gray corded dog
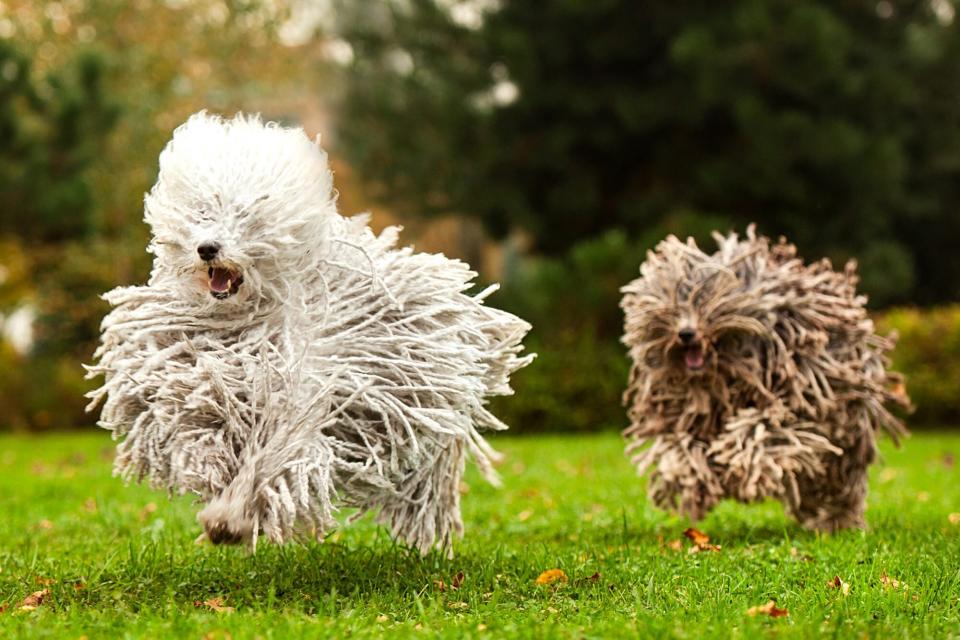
pixel 283 361
pixel 755 376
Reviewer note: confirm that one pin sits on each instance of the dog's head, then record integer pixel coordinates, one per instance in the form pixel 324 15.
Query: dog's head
pixel 240 210
pixel 691 313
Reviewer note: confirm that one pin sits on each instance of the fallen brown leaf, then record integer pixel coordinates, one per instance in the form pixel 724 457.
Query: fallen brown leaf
pixel 35 599
pixel 696 536
pixel 214 604
pixel 147 511
pixel 768 609
pixel 888 474
pixel 441 587
pixel 457 580
pixel 700 540
pixel 45 524
pixel 954 518
pixel 838 583
pixel 551 576
pixel 948 460
pixel 892 583
pixel 595 577
pixel 675 545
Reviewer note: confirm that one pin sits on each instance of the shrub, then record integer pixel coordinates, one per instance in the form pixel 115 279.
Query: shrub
pixel 928 353
pixel 573 302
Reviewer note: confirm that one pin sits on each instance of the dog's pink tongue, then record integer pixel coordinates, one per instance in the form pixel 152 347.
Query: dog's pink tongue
pixel 220 280
pixel 694 358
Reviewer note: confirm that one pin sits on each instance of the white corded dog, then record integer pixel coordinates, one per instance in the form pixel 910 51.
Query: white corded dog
pixel 284 361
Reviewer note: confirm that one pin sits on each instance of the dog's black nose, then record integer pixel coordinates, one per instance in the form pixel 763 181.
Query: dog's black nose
pixel 686 335
pixel 208 251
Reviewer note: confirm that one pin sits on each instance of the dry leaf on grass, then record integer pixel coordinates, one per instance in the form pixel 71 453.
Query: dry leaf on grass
pixel 768 609
pixel 700 540
pixel 147 511
pixel 34 600
pixel 439 584
pixel 892 583
pixel 696 536
pixel 953 518
pixel 457 580
pixel 948 460
pixel 595 577
pixel 551 576
pixel 675 545
pixel 214 604
pixel 838 583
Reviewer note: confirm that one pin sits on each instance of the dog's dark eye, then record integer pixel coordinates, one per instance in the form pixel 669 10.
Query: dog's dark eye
pixel 656 334
pixel 167 245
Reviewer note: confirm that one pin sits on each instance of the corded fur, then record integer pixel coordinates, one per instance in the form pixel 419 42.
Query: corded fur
pixel 791 388
pixel 343 371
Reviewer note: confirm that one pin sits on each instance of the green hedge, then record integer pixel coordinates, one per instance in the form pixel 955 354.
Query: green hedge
pixel 928 353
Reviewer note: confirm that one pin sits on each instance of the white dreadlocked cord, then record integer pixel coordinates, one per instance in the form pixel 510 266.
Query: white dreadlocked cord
pixel 354 374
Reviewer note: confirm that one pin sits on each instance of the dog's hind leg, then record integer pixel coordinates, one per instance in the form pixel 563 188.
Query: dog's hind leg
pixel 425 510
pixel 836 499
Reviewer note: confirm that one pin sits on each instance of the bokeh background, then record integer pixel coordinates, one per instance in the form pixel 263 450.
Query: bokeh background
pixel 549 143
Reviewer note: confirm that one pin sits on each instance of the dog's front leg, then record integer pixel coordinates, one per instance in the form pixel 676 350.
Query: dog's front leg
pixel 230 517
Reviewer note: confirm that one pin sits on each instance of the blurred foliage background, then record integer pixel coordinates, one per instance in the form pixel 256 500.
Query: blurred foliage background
pixel 548 143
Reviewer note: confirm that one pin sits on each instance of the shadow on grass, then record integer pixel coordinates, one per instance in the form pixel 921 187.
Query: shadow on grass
pixel 307 577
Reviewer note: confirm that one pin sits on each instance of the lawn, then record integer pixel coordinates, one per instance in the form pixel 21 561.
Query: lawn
pixel 119 561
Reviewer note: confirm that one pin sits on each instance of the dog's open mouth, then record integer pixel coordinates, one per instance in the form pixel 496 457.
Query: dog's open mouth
pixel 223 282
pixel 693 357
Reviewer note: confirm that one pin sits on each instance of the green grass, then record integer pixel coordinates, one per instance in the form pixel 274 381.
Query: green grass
pixel 117 567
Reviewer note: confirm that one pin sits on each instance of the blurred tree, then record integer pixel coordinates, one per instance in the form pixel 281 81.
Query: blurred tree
pixel 73 174
pixel 837 124
pixel 52 130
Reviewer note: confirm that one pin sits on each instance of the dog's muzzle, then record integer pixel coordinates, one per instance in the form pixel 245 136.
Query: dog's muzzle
pixel 223 282
pixel 693 356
